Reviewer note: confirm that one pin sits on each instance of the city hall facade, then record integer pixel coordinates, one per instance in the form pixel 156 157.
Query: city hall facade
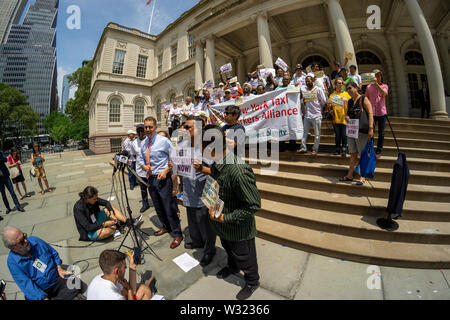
pixel 135 74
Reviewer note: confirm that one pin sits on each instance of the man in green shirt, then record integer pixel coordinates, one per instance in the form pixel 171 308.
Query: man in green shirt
pixel 236 225
pixel 347 78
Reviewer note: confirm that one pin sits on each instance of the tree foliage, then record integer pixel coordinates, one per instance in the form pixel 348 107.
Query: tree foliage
pixel 17 118
pixel 77 108
pixel 62 128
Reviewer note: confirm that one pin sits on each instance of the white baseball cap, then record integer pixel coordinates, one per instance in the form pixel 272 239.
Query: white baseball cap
pixel 131 132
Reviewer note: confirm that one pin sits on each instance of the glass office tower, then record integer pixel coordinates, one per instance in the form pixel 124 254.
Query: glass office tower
pixel 28 58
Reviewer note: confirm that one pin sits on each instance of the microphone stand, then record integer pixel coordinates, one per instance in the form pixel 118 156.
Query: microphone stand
pixel 136 231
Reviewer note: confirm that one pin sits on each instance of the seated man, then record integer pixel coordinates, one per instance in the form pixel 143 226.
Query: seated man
pixel 36 268
pixel 94 224
pixel 112 285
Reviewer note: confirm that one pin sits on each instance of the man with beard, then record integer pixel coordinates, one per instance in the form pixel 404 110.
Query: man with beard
pixel 36 267
pixel 314 99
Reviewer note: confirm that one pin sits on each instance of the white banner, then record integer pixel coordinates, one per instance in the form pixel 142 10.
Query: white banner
pixel 275 115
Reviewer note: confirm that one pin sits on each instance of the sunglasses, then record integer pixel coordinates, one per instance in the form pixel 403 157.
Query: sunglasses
pixel 188 127
pixel 22 242
pixel 149 127
pixel 227 113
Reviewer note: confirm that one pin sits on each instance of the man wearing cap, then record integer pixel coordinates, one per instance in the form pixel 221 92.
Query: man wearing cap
pixel 377 93
pixel 235 88
pixel 299 78
pixel 207 100
pixel 346 77
pixel 136 149
pixel 127 147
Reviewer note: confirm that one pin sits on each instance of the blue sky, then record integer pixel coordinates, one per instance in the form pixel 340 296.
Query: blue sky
pixel 74 46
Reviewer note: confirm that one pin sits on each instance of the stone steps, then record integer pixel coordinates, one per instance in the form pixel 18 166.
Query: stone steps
pixel 378 252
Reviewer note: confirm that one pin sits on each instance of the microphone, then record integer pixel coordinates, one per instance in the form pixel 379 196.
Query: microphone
pixel 123 158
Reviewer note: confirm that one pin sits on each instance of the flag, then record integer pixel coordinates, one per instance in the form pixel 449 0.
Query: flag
pixel 149 1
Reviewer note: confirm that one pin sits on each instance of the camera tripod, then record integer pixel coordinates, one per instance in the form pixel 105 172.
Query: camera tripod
pixel 132 230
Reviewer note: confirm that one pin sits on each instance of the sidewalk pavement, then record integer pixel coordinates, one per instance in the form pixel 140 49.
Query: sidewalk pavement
pixel 286 273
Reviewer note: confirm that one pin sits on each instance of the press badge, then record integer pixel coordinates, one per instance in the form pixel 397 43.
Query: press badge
pixel 38 264
pixel 93 218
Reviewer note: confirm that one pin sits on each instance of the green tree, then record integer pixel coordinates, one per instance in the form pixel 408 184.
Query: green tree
pixel 77 108
pixel 58 125
pixel 79 130
pixel 17 118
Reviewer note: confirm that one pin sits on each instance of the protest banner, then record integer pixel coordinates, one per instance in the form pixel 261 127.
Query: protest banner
pixel 367 78
pixel 226 68
pixel 352 128
pixel 283 65
pixel 182 160
pixel 208 85
pixel 275 115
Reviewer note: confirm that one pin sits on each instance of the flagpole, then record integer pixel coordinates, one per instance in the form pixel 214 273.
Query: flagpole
pixel 151 17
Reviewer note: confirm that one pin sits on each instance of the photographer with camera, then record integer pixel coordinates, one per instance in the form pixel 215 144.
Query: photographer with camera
pixel 112 285
pixel 92 223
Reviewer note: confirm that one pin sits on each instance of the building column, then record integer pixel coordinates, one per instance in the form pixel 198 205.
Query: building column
pixel 242 74
pixel 343 37
pixel 430 56
pixel 265 45
pixel 210 61
pixel 443 41
pixel 199 62
pixel 400 75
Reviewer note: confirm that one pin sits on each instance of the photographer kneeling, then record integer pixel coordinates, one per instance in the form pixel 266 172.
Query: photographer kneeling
pixel 92 223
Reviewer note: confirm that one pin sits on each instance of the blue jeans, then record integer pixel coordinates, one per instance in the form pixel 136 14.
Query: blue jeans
pixel 381 127
pixel 340 138
pixel 131 177
pixel 6 182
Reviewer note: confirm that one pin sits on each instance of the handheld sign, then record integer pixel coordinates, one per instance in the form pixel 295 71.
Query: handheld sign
pixel 352 128
pixel 210 196
pixel 183 162
pixel 281 64
pixel 226 68
pixel 264 73
pixel 338 101
pixel 367 78
pixel 310 96
pixel 348 55
pixel 208 85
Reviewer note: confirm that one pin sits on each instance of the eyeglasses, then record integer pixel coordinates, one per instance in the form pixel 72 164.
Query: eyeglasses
pixel 227 113
pixel 149 127
pixel 188 127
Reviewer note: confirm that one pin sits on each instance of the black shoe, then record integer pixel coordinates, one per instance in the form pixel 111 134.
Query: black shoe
pixel 131 188
pixel 20 209
pixel 207 258
pixel 144 208
pixel 190 245
pixel 1 218
pixel 8 211
pixel 225 272
pixel 336 153
pixel 344 152
pixel 246 292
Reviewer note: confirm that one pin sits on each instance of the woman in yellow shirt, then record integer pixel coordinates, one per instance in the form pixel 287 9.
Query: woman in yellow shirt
pixel 337 102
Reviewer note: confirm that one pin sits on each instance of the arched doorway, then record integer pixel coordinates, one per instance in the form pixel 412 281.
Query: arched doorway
pixel 367 62
pixel 417 75
pixel 316 59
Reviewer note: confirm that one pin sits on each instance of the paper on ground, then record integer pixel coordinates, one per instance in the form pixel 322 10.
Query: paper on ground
pixel 186 262
pixel 158 297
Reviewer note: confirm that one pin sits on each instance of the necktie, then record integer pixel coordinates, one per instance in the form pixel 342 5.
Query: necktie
pixel 147 156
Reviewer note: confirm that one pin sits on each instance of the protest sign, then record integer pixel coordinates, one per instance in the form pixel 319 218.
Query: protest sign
pixel 283 65
pixel 217 94
pixel 208 85
pixel 183 161
pixel 319 74
pixel 226 68
pixel 367 78
pixel 293 89
pixel 352 128
pixel 210 196
pixel 310 96
pixel 264 73
pixel 275 115
pixel 348 55
pixel 167 107
pixel 337 101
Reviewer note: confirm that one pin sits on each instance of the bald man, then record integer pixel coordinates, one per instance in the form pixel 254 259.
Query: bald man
pixel 36 267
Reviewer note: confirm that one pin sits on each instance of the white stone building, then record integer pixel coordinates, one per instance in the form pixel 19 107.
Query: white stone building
pixel 136 73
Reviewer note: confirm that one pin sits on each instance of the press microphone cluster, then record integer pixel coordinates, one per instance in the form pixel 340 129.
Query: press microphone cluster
pixel 121 160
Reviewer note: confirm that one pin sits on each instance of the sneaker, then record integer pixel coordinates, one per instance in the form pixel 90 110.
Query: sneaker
pixel 137 221
pixel 20 209
pixel 246 292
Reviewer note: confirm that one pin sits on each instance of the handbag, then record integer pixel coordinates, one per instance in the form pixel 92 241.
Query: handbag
pixel 363 118
pixel 368 161
pixel 14 172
